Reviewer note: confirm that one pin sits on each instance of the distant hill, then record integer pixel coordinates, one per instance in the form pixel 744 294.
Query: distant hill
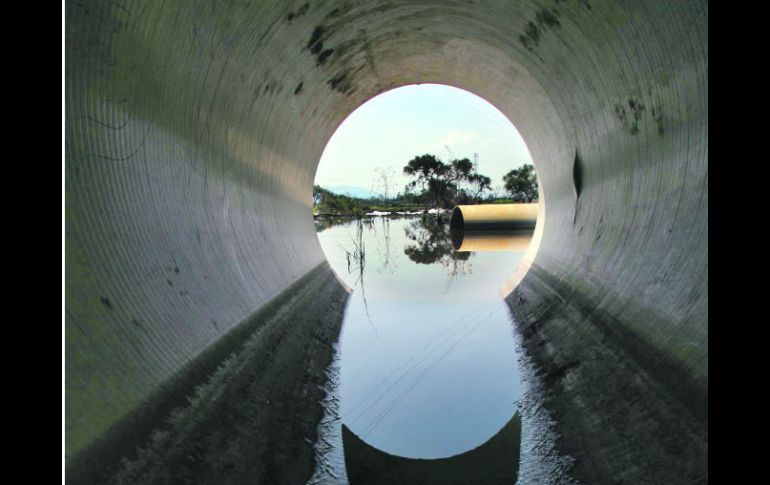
pixel 351 190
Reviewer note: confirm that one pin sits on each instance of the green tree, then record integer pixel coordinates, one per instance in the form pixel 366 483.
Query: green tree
pixel 461 170
pixel 521 183
pixel 479 183
pixel 443 182
pixel 320 195
pixel 432 176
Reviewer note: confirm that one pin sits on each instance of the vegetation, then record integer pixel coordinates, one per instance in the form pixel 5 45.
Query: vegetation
pixel 327 203
pixel 446 184
pixel 434 184
pixel 521 183
pixel 433 245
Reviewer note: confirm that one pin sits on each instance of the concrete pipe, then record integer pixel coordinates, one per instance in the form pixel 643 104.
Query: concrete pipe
pixel 494 216
pixel 192 134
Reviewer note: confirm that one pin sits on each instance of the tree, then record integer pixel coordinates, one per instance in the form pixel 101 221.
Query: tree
pixel 521 183
pixel 480 183
pixel 320 194
pixel 461 169
pixel 432 175
pixel 443 181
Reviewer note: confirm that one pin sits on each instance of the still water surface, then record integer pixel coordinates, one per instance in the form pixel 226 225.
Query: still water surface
pixel 427 363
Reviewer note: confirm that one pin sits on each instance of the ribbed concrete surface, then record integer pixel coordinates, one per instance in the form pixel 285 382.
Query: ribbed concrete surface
pixel 193 130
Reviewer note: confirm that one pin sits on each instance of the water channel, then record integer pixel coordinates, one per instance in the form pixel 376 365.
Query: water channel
pixel 426 366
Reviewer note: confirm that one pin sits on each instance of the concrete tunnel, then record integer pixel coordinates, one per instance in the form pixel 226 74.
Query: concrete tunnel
pixel 192 135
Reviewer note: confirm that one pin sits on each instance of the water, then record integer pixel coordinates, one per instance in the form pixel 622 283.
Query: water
pixel 426 364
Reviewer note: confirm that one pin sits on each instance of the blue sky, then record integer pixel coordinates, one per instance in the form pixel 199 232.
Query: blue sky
pixel 394 127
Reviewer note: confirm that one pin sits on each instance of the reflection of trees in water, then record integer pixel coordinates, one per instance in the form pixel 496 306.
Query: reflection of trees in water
pixel 356 260
pixel 321 224
pixel 434 245
pixel 355 254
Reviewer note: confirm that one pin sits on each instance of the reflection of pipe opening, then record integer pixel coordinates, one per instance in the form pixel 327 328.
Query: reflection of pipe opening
pixel 480 241
pixel 496 461
pixel 494 216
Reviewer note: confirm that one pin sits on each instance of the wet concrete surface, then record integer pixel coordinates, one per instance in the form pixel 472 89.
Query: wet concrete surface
pixel 602 385
pixel 244 421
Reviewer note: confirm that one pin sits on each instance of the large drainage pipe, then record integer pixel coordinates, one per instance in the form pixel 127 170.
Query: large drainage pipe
pixel 193 131
pixel 494 217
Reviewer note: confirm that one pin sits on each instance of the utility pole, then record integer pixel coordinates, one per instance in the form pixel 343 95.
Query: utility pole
pixel 381 182
pixel 451 154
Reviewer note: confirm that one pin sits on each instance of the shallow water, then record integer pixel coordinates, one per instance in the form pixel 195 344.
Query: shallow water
pixel 426 365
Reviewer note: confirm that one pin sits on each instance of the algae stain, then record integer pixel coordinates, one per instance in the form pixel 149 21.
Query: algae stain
pixel 533 32
pixel 106 302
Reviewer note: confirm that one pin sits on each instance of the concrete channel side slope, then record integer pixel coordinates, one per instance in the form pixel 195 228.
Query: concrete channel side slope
pixel 193 131
pixel 246 410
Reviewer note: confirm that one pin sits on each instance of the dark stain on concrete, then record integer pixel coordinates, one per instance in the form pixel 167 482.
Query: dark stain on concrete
pixel 270 87
pixel 657 117
pixel 547 18
pixel 315 44
pixel 323 56
pixel 631 116
pixel 106 302
pixel 544 20
pixel 341 83
pixel 530 37
pixel 299 13
pixel 334 13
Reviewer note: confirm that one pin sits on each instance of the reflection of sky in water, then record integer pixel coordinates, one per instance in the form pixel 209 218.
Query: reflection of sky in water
pixel 432 370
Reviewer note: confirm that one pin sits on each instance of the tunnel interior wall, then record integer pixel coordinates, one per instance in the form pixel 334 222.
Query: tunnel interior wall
pixel 194 129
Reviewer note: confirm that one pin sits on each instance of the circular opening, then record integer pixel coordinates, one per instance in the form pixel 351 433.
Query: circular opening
pixel 425 319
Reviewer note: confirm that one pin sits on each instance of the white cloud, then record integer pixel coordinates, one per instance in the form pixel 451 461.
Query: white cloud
pixel 455 139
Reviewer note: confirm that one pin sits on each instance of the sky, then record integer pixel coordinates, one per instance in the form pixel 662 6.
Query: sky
pixel 389 130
